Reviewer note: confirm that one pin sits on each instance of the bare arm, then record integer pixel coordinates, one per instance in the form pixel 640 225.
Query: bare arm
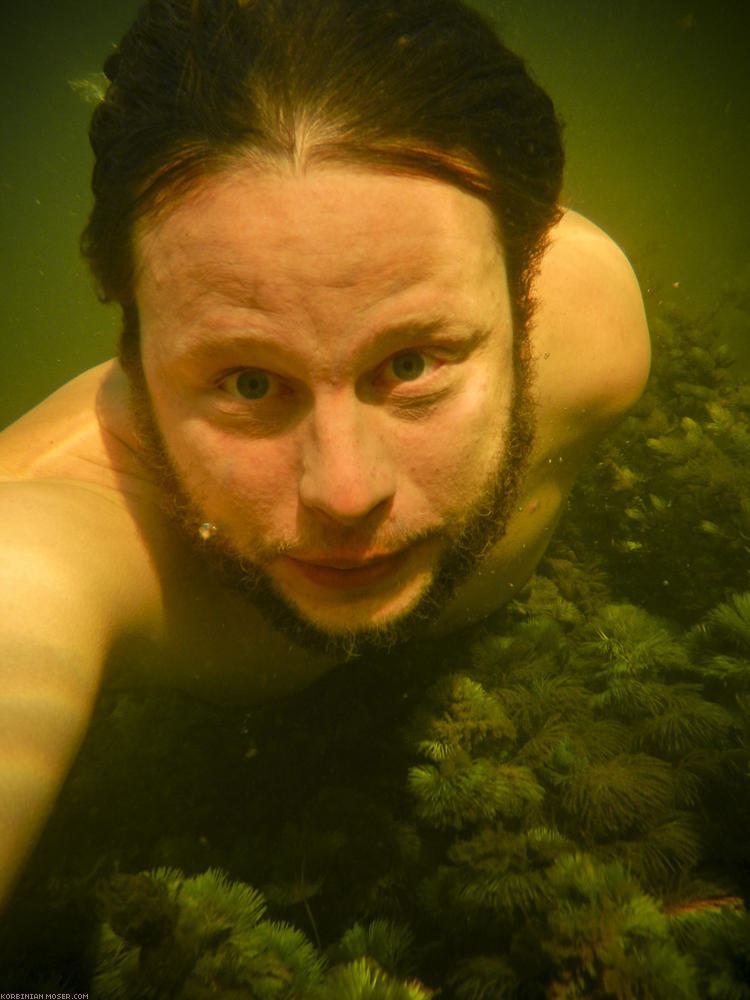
pixel 57 611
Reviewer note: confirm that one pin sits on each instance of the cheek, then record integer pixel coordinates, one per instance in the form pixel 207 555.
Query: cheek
pixel 457 452
pixel 256 474
pixel 228 472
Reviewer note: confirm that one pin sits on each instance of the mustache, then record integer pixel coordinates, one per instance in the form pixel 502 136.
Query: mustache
pixel 353 545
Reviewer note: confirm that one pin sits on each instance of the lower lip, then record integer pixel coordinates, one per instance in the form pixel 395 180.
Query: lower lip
pixel 352 578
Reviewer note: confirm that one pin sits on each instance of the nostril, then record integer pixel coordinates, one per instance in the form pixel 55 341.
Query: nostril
pixel 347 496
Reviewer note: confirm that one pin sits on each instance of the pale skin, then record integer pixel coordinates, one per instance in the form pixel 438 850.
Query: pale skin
pixel 375 309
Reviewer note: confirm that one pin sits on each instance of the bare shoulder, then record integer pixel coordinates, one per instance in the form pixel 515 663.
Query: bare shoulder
pixel 76 501
pixel 82 432
pixel 589 336
pixel 74 546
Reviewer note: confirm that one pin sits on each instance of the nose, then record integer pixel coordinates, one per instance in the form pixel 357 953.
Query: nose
pixel 346 470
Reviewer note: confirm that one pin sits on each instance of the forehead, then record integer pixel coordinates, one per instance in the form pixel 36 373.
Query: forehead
pixel 324 265
pixel 348 220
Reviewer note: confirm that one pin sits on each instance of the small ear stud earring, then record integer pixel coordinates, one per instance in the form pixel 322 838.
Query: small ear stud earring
pixel 207 530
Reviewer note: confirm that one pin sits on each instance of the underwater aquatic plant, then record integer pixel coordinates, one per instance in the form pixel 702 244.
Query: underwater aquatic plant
pixel 663 506
pixel 685 722
pixel 626 641
pixel 216 938
pixel 387 943
pixel 168 936
pixel 484 977
pixel 725 633
pixel 608 939
pixel 462 791
pixel 716 932
pixel 730 623
pixel 473 718
pixel 496 873
pixel 364 980
pixel 624 794
pixel 606 714
pixel 468 780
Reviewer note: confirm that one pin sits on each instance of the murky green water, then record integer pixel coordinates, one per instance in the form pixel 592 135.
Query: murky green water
pixel 657 103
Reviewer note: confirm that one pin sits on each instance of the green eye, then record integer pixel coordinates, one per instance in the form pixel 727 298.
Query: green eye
pixel 253 384
pixel 407 367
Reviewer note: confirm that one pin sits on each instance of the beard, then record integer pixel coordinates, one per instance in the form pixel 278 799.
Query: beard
pixel 467 537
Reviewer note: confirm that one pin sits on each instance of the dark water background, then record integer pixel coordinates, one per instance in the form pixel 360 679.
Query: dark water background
pixel 656 97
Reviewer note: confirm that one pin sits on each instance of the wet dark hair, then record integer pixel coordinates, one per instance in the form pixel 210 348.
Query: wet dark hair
pixel 409 86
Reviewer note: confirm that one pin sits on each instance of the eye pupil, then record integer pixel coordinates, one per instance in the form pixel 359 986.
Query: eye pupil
pixel 253 384
pixel 408 366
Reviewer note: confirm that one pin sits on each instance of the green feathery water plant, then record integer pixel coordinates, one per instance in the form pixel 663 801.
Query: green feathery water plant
pixel 168 936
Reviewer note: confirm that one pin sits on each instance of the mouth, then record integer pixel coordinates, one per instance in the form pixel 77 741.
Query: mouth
pixel 344 573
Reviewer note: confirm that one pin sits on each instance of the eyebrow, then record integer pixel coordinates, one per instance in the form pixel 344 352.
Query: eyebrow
pixel 465 339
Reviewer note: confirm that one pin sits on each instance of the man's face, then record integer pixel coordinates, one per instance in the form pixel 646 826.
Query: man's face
pixel 328 361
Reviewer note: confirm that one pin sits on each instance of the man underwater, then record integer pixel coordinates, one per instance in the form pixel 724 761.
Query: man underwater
pixel 364 355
